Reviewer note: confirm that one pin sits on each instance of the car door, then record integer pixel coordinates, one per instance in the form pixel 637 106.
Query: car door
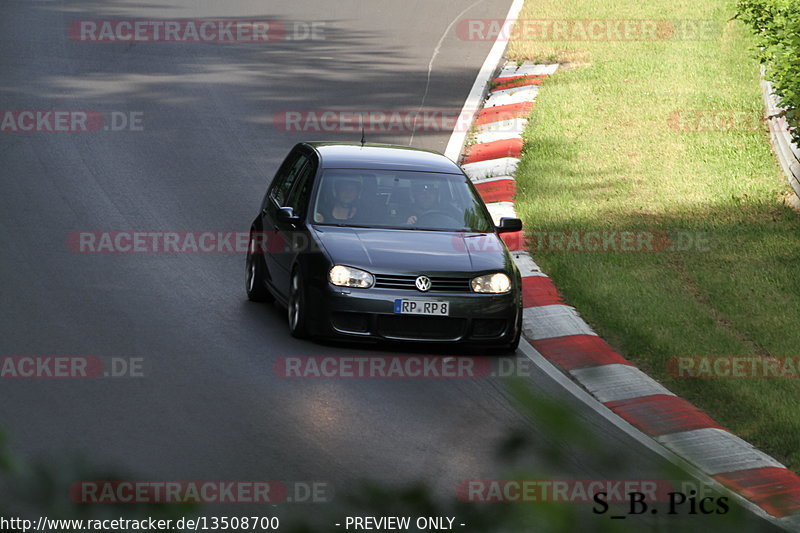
pixel 277 193
pixel 293 231
pixel 277 228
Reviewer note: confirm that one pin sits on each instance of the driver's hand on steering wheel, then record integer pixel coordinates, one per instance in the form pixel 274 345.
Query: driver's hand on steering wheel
pixel 411 220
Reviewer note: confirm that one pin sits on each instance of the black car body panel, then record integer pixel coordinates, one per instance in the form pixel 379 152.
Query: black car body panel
pixel 388 249
pixel 382 157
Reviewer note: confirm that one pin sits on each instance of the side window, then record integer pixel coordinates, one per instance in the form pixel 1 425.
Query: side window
pixel 281 191
pixel 283 170
pixel 299 197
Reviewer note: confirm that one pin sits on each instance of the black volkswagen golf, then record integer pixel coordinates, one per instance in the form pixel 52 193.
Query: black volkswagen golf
pixel 366 241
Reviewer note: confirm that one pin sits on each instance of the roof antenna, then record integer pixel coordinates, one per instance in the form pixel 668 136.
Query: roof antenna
pixel 361 120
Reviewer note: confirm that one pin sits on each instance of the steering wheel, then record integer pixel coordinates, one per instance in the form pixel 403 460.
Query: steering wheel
pixel 434 212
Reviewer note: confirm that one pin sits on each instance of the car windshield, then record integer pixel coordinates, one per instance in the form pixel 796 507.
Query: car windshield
pixel 398 199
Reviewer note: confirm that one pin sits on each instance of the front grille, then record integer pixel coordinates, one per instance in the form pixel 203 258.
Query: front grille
pixel 421 327
pixel 438 283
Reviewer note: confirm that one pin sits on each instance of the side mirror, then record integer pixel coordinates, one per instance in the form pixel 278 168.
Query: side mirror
pixel 509 225
pixel 286 214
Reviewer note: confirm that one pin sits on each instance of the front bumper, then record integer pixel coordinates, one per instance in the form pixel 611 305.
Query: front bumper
pixel 369 314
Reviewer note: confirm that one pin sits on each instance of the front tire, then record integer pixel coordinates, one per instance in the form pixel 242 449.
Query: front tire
pixel 297 307
pixel 511 347
pixel 255 274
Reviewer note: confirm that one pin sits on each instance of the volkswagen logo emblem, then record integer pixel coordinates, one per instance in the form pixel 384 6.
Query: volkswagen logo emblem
pixel 423 283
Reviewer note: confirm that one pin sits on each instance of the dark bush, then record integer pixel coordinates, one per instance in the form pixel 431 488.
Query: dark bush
pixel 776 24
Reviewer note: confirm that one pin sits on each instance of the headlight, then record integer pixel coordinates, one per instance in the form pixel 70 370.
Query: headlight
pixel 497 283
pixel 343 276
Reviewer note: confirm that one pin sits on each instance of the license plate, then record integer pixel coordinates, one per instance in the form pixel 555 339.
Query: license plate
pixel 421 307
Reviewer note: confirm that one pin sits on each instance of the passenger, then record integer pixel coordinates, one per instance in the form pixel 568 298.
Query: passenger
pixel 345 203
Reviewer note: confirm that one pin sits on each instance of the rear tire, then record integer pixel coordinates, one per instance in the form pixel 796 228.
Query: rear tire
pixel 255 274
pixel 297 307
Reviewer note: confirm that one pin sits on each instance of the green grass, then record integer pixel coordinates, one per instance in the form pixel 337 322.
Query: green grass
pixel 602 152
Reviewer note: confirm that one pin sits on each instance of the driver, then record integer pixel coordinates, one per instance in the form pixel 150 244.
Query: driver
pixel 425 195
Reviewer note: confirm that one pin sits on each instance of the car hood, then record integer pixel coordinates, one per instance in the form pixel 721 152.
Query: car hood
pixel 414 251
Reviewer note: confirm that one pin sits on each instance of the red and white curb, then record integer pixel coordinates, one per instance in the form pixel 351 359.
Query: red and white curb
pixel 558 333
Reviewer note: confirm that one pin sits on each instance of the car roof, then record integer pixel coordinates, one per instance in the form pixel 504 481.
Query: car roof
pixel 381 157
